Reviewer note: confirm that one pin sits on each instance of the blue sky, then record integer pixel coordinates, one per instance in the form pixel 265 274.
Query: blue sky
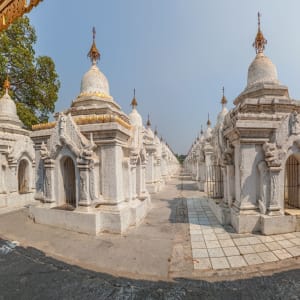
pixel 176 53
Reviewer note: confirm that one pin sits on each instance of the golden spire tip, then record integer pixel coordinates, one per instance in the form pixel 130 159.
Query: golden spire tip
pixel 94 53
pixel 134 102
pixel 208 121
pixel 6 84
pixel 260 41
pixel 223 100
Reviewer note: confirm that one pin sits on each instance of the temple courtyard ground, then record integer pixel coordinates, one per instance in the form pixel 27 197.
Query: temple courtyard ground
pixel 180 251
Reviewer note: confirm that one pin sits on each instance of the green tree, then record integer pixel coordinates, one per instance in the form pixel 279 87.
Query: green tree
pixel 34 81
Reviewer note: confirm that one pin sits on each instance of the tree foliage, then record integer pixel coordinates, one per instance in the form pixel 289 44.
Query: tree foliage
pixel 180 157
pixel 34 81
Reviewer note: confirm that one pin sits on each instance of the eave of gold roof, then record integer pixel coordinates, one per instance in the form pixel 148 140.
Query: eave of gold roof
pixel 10 10
pixel 82 120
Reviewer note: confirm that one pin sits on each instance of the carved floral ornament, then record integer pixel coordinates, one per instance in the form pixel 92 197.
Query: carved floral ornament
pixel 10 10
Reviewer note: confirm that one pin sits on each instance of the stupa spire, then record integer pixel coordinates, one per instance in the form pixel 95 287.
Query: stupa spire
pixel 208 123
pixel 94 53
pixel 201 130
pixel 260 41
pixel 133 101
pixel 148 121
pixel 6 85
pixel 223 100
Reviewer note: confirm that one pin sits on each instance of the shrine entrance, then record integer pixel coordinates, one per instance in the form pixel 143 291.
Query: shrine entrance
pixel 23 177
pixel 69 181
pixel 292 183
pixel 214 182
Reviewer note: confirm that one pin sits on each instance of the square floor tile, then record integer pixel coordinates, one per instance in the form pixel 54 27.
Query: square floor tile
pixel 295 241
pixel 253 240
pixel 241 241
pixel 198 245
pixel 266 239
pixel 282 254
pixel 210 237
pixel 197 238
pixel 199 253
pixel 278 237
pixel 273 246
pixel 260 248
pixel 226 243
pixel 246 249
pixel 253 259
pixel 219 263
pixel 267 256
pixel 285 243
pixel 212 244
pixel 236 261
pixel 294 251
pixel 195 231
pixel 219 230
pixel 207 231
pixel 223 236
pixel 289 235
pixel 202 264
pixel 215 252
pixel 195 226
pixel 231 251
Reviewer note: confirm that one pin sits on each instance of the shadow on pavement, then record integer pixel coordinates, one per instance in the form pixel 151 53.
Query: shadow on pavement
pixel 26 273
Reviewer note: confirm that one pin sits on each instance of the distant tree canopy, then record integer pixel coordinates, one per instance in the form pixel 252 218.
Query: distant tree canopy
pixel 34 81
pixel 180 157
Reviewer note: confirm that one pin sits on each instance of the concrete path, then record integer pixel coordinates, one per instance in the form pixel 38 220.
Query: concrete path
pixel 159 247
pixel 165 245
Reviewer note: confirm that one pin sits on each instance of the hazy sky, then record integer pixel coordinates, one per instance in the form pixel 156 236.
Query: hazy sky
pixel 176 53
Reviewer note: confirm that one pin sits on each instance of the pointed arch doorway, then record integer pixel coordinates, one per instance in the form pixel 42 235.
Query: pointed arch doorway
pixel 69 181
pixel 292 183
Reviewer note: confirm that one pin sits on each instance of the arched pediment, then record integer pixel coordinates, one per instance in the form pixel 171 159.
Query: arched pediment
pixel 67 133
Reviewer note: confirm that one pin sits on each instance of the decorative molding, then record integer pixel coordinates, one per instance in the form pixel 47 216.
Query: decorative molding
pixel 10 10
pixel 89 119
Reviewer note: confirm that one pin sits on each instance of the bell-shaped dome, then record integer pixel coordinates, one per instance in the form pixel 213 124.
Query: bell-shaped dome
pixel 222 115
pixel 135 118
pixel 262 70
pixel 94 82
pixel 208 133
pixel 150 133
pixel 8 111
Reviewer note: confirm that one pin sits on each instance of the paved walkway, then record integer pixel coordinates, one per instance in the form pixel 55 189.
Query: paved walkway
pixel 216 247
pixel 179 238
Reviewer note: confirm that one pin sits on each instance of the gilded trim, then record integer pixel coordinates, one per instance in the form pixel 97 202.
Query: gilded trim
pixel 90 119
pixel 10 10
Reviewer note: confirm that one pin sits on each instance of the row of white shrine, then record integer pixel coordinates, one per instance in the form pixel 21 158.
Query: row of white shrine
pixel 91 170
pixel 249 163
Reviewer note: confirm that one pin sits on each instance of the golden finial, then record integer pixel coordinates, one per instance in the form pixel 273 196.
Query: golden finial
pixel 134 102
pixel 208 121
pixel 148 121
pixel 94 53
pixel 223 100
pixel 6 84
pixel 260 41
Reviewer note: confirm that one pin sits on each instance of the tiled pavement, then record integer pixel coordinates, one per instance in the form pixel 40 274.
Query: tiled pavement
pixel 218 247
